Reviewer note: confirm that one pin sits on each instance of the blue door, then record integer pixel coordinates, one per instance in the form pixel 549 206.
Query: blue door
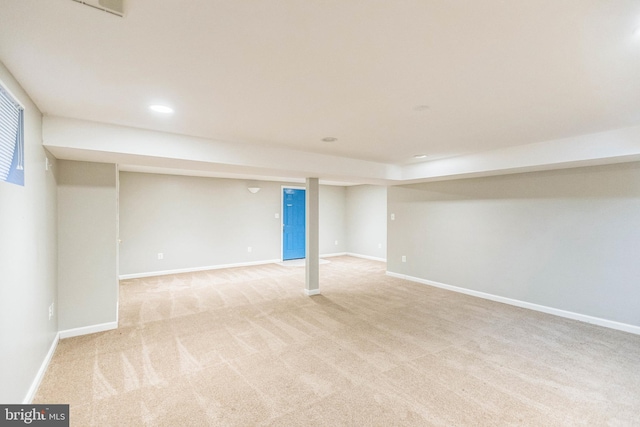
pixel 293 219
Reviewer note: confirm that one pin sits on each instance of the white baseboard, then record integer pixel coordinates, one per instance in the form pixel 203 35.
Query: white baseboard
pixel 239 264
pixel 335 254
pixel 366 257
pixel 43 369
pixel 194 269
pixel 524 304
pixel 85 330
pixel 312 292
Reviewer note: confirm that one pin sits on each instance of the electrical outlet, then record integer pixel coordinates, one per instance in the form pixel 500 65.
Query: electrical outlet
pixel 51 311
pixel 160 255
pixel 249 249
pixel 277 215
pixel 393 217
pixel 404 258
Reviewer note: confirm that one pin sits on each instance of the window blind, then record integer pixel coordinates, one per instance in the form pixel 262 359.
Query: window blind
pixel 11 139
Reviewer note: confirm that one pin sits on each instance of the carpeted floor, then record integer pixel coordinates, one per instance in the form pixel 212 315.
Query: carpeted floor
pixel 245 347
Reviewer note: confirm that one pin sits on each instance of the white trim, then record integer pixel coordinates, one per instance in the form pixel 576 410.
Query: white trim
pixel 373 258
pixel 611 324
pixel 117 284
pixel 332 255
pixel 311 292
pixel 193 269
pixel 43 370
pixel 86 330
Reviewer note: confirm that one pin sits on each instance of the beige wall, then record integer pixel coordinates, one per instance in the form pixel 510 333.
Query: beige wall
pixel 87 239
pixel 367 220
pixel 27 260
pixel 566 239
pixel 203 222
pixel 332 219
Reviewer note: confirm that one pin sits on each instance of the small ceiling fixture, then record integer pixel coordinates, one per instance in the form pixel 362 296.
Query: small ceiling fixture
pixel 420 156
pixel 329 139
pixel 161 109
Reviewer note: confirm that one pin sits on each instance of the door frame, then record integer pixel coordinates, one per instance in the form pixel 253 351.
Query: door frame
pixel 293 187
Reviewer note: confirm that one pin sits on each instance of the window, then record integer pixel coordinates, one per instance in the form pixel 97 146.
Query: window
pixel 11 139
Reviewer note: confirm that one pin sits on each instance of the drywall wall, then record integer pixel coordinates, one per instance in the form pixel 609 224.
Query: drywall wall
pixel 566 239
pixel 197 222
pixel 27 260
pixel 367 221
pixel 87 239
pixel 332 219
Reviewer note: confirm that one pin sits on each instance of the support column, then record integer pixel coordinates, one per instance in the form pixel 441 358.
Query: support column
pixel 312 260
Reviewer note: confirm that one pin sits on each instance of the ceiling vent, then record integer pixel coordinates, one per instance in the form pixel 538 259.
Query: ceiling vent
pixel 115 7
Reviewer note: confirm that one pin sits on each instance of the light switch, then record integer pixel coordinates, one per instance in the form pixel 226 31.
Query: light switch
pixel 393 217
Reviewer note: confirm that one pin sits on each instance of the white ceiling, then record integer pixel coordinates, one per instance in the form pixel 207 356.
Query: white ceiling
pixel 495 74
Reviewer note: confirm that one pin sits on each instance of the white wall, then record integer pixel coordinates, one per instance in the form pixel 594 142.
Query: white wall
pixel 27 260
pixel 367 221
pixel 200 222
pixel 102 142
pixel 87 253
pixel 332 219
pixel 566 239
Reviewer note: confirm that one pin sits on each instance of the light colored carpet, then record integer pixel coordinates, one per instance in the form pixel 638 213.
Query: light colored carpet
pixel 245 347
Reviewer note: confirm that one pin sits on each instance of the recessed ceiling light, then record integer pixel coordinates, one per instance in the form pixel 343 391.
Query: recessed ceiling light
pixel 420 156
pixel 161 109
pixel 421 108
pixel 329 139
